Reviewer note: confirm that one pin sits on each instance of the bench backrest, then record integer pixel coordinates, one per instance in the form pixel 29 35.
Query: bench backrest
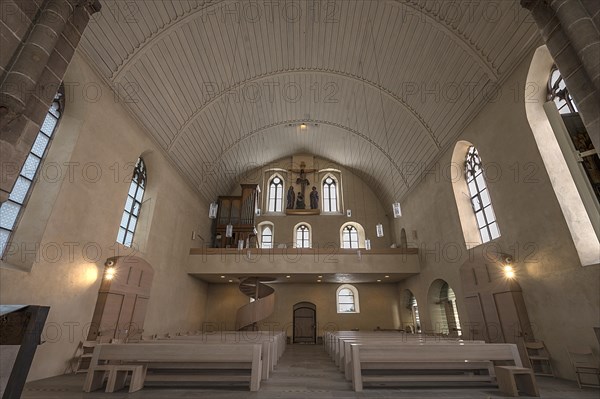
pixel 141 352
pixel 438 352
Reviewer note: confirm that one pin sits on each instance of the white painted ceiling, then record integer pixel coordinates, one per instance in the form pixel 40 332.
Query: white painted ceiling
pixel 383 85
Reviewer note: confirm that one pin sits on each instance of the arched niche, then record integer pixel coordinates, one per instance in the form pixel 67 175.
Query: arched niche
pixel 442 307
pixel 409 312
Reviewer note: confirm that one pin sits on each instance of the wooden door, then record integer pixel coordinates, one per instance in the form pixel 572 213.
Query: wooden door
pixel 305 324
pixel 122 301
pixel 495 302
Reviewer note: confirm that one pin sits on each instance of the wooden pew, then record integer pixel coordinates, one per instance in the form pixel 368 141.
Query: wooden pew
pixel 170 362
pixel 346 355
pixel 268 352
pixel 429 363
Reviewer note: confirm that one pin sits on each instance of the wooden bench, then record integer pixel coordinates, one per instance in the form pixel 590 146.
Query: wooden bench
pixel 346 355
pixel 268 352
pixel 511 378
pixel 171 362
pixel 429 363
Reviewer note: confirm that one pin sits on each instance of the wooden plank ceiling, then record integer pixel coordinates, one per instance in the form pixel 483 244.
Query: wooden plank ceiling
pixel 383 86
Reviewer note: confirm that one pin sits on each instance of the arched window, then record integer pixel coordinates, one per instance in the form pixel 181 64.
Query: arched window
pixel 347 299
pixel 480 197
pixel 352 235
pixel 135 197
pixel 12 209
pixel 559 93
pixel 275 197
pixel 560 136
pixel 266 235
pixel 303 236
pixel 330 195
pixel 582 143
pixel 349 237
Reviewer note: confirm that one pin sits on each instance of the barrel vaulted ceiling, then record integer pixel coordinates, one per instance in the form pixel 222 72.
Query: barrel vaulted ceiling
pixel 384 86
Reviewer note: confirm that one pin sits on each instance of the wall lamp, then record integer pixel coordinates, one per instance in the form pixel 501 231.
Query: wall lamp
pixel 509 271
pixel 111 270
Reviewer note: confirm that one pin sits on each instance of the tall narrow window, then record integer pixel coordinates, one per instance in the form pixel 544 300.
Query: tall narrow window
pixel 12 209
pixel 133 204
pixel 585 152
pixel 275 197
pixel 559 93
pixel 347 299
pixel 266 240
pixel 303 236
pixel 480 197
pixel 330 195
pixel 349 237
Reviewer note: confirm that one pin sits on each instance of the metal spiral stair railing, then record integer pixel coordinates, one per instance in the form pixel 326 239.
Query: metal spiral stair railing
pixel 262 306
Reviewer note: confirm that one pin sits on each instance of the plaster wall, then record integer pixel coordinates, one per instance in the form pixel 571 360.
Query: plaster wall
pixel 378 307
pixel 356 196
pixel 69 227
pixel 562 297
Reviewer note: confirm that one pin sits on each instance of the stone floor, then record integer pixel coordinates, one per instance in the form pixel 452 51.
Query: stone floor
pixel 305 371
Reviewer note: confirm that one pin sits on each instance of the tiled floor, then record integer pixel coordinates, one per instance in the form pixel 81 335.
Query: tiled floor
pixel 305 371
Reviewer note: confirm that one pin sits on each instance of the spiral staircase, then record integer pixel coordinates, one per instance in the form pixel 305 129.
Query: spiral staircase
pixel 263 305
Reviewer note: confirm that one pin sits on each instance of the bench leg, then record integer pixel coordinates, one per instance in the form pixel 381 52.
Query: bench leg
pixel 94 380
pixel 116 380
pixel 137 379
pixel 527 384
pixel 507 383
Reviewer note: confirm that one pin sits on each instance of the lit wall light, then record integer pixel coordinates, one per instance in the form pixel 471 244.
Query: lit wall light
pixel 110 273
pixel 379 230
pixel 111 270
pixel 509 271
pixel 303 126
pixel 368 244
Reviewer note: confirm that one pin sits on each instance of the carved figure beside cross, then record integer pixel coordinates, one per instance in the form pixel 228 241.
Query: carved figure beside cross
pixel 303 182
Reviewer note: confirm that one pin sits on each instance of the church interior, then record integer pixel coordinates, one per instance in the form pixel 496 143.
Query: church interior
pixel 325 181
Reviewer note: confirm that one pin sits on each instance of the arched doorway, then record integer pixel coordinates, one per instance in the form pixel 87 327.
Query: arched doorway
pixel 410 316
pixel 305 323
pixel 443 309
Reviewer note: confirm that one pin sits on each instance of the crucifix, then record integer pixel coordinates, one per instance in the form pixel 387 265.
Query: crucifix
pixel 303 182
